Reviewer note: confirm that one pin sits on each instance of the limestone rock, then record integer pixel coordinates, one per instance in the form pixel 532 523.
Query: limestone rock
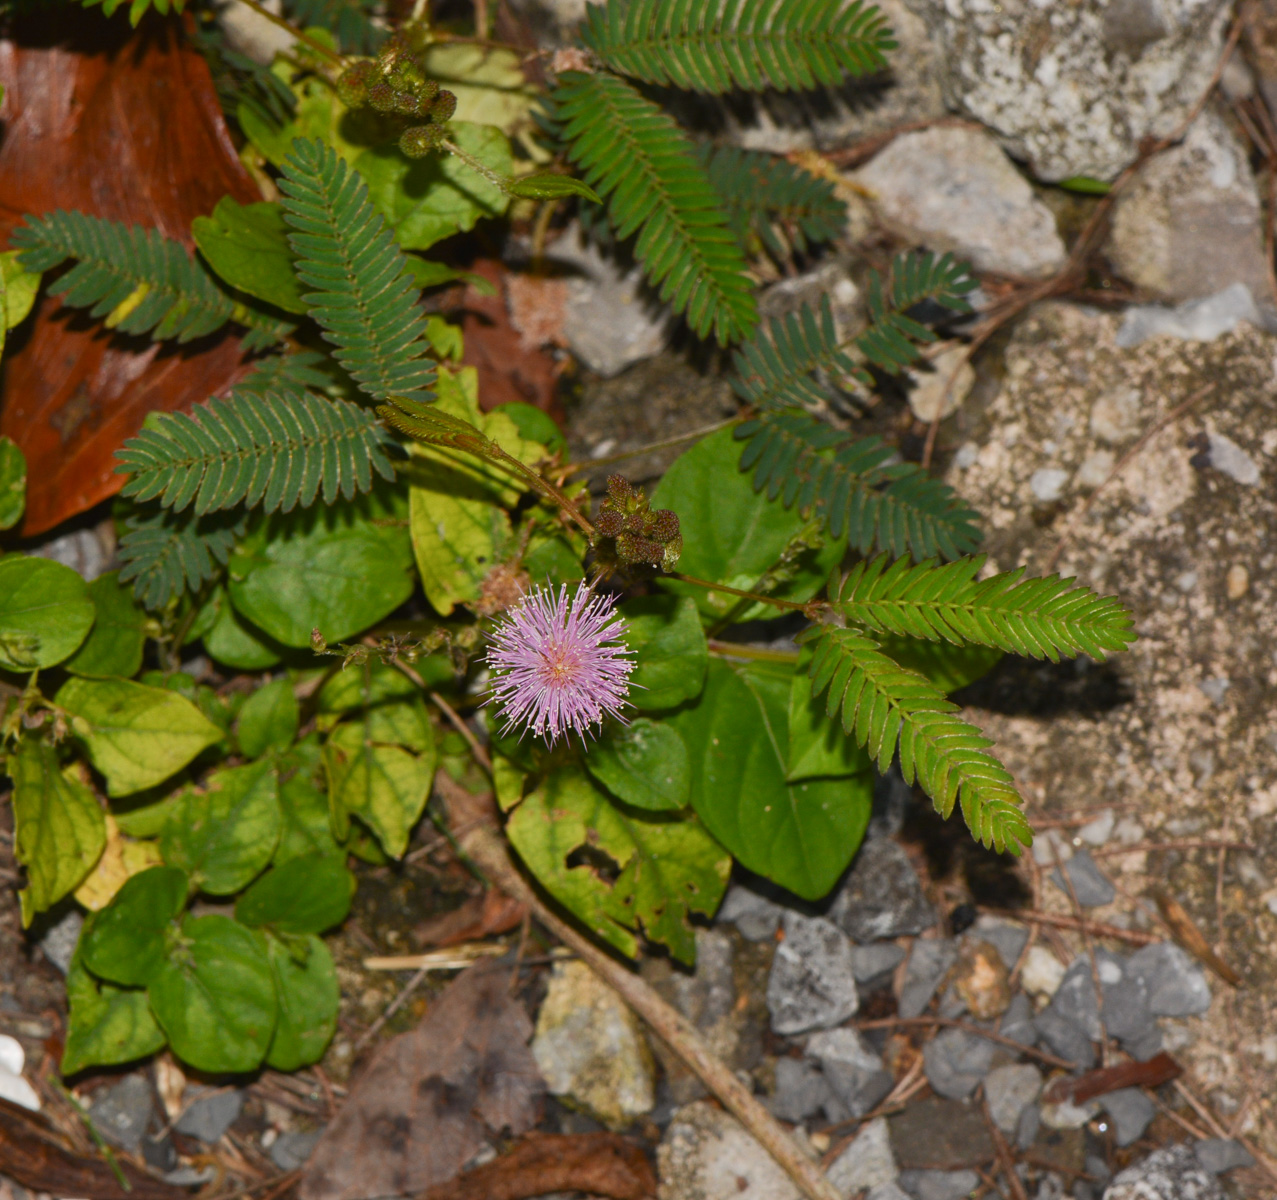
pixel 590 1047
pixel 867 1163
pixel 706 1154
pixel 1170 1174
pixel 1073 88
pixel 812 984
pixel 954 189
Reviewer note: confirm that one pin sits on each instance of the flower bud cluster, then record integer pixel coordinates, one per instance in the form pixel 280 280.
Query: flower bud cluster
pixel 641 535
pixel 395 84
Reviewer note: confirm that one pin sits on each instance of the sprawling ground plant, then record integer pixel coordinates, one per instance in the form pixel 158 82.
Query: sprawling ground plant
pixel 367 554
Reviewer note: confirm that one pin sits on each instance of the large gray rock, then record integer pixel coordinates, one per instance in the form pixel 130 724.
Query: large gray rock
pixel 1170 1174
pixel 1089 883
pixel 210 1112
pixel 954 189
pixel 812 984
pixel 1074 88
pixel 755 916
pixel 706 1154
pixel 956 1062
pixel 1218 1155
pixel 121 1112
pixel 801 1091
pixel 1009 1090
pixel 1191 223
pixel 881 896
pixel 1175 984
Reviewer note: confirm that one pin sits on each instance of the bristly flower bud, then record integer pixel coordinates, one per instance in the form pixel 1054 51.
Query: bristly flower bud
pixel 352 86
pixel 639 536
pixel 420 140
pixel 442 107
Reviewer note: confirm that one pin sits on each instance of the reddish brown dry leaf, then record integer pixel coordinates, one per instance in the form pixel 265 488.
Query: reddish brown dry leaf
pixel 479 917
pixel 423 1107
pixel 124 125
pixel 1191 938
pixel 598 1164
pixel 32 1153
pixel 1160 1069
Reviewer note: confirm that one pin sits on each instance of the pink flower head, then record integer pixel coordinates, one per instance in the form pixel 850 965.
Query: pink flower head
pixel 559 665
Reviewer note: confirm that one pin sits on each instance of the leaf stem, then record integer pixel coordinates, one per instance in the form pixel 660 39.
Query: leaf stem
pixel 787 605
pixel 262 11
pixel 664 443
pixel 740 650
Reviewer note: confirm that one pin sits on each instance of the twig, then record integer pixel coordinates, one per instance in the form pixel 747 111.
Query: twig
pixel 483 843
pixel 1097 928
pixel 450 959
pixel 393 1007
pixel 1153 847
pixel 1153 430
pixel 454 719
pixel 966 1026
pixel 1005 1161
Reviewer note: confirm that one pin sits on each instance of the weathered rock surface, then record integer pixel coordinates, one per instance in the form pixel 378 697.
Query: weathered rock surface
pixel 812 984
pixel 1074 88
pixel 1009 1090
pixel 1170 1174
pixel 954 189
pixel 867 1163
pixel 707 1155
pixel 881 896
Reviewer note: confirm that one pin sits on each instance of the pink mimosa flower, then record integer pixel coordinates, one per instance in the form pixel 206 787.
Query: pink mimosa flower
pixel 559 665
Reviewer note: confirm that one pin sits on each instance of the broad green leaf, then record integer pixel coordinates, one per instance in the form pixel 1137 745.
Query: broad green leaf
pixel 232 640
pixel 215 996
pixel 733 534
pixel 45 612
pixel 490 86
pixel 13 483
pixel 428 199
pixel 535 425
pixel 445 338
pixel 338 569
pixel 818 747
pixel 427 274
pixel 645 765
pixel 137 736
pixel 405 723
pixel 307 996
pixel 551 560
pixel 106 1025
pixel 303 805
pixel 507 781
pixel 114 647
pixel 800 835
pixel 303 895
pixel 549 185
pixel 949 667
pixel 223 836
pixel 668 867
pixel 19 289
pixel 669 647
pixel 247 245
pixel 269 719
pixel 369 683
pixel 59 827
pixel 127 941
pixel 386 787
pixel 145 820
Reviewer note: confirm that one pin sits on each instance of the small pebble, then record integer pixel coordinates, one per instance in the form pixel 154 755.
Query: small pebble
pixel 1132 1113
pixel 1098 831
pixel 1047 484
pixel 1066 1115
pixel 1237 581
pixel 1218 1155
pixel 1042 972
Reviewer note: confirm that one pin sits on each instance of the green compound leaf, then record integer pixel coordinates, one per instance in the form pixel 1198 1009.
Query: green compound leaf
pixel 385 786
pixel 363 296
pixel 304 895
pixel 137 736
pixel 338 570
pixel 247 245
pixel 949 667
pixel 106 1025
pixel 166 553
pixel 127 941
pixel 801 835
pixel 717 45
pixel 644 765
pixel 269 719
pixel 669 867
pixel 818 748
pixel 214 995
pixel 59 830
pixel 114 647
pixel 276 450
pixel 308 995
pixel 45 612
pixel 137 8
pixel 669 647
pixel 733 535
pixel 13 483
pixel 224 836
pixel 633 153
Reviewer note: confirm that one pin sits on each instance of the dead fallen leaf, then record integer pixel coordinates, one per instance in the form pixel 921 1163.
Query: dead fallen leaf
pixel 425 1104
pixel 599 1164
pixel 1159 1069
pixel 33 1153
pixel 478 917
pixel 122 124
pixel 1191 938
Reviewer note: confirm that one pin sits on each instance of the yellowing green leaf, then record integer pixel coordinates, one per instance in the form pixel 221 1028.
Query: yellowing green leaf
pixel 60 831
pixel 18 289
pixel 121 860
pixel 137 736
pixel 490 87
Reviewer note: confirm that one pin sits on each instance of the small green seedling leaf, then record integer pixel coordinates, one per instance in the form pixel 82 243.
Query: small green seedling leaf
pixel 1086 185
pixel 645 765
pixel 45 612
pixel 247 245
pixel 114 647
pixel 303 895
pixel 106 1025
pixel 127 942
pixel 269 719
pixel 307 995
pixel 547 185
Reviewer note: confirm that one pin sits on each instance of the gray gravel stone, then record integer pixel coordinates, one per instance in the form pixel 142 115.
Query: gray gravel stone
pixel 1017 1021
pixel 59 942
pixel 801 1090
pixel 881 896
pixel 811 985
pixel 1169 1174
pixel 1146 1045
pixel 83 551
pixel 122 1112
pixel 1061 1036
pixel 939 1185
pixel 755 916
pixel 887 1191
pixel 867 1163
pixel 1009 1091
pixel 1227 456
pixel 1126 1013
pixel 872 962
pixel 1176 985
pixel 1218 1155
pixel 290 1151
pixel 209 1116
pixel 1007 937
pixel 929 963
pixel 1026 1129
pixel 1201 320
pixel 706 1153
pixel 956 1061
pixel 1089 884
pixel 1132 1112
pixel 854 1073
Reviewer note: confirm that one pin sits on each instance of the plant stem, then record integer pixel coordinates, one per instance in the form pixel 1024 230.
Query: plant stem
pixel 262 11
pixel 735 650
pixel 787 605
pixel 665 443
pixel 544 486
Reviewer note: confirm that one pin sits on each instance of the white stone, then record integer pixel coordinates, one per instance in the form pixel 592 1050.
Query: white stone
pixel 1041 973
pixel 1047 484
pixel 1098 831
pixel 706 1154
pixel 1095 469
pixel 17 1090
pixel 1067 1115
pixel 1193 321
pixel 1010 1090
pixel 954 189
pixel 867 1163
pixel 944 386
pixel 1227 456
